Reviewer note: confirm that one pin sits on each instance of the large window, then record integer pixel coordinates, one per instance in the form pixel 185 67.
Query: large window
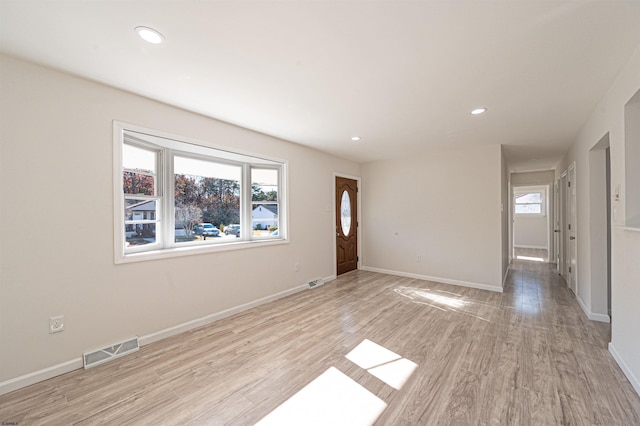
pixel 177 197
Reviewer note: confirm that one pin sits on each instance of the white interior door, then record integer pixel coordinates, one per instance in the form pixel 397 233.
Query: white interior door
pixel 572 230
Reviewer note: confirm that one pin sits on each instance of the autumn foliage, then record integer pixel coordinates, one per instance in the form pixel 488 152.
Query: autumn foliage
pixel 217 199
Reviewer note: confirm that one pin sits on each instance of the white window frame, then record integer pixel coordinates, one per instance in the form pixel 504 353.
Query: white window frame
pixel 530 190
pixel 167 146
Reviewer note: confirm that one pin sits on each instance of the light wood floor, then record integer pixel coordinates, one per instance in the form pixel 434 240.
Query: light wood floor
pixel 528 356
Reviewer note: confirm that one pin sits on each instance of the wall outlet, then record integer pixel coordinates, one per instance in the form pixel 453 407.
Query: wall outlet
pixel 56 324
pixel 418 257
pixel 296 266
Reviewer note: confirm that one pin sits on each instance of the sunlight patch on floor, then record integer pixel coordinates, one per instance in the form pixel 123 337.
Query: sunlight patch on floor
pixel 382 363
pixel 442 300
pixel 332 398
pixel 420 295
pixel 535 259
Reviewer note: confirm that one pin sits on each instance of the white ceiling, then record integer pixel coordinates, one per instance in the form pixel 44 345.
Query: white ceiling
pixel 403 75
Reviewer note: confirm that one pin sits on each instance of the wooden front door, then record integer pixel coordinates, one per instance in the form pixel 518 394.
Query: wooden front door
pixel 346 225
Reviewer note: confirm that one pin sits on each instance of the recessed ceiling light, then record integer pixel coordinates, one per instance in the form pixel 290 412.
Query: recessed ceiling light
pixel 478 111
pixel 150 35
pixel 355 138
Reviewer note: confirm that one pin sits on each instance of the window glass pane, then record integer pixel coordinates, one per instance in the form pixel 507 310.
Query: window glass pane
pixel 205 192
pixel 138 234
pixel 140 209
pixel 181 234
pixel 138 183
pixel 345 213
pixel 264 185
pixel 209 169
pixel 528 208
pixel 264 207
pixel 533 197
pixel 264 219
pixel 134 158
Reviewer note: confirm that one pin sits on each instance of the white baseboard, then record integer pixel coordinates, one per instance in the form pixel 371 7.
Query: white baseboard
pixel 506 274
pixel 625 368
pixel 40 375
pixel 208 319
pixel 436 279
pixel 330 278
pixel 530 247
pixel 599 317
pixel 591 315
pixel 76 363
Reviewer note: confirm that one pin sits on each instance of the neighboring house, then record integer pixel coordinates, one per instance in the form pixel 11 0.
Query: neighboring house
pixel 265 215
pixel 144 210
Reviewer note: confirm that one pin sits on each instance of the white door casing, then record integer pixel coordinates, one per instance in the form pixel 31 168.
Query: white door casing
pixel 572 229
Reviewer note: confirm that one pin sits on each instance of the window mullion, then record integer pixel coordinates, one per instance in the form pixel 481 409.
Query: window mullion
pixel 168 226
pixel 282 210
pixel 246 205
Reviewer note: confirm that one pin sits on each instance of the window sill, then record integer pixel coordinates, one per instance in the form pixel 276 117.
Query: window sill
pixel 194 250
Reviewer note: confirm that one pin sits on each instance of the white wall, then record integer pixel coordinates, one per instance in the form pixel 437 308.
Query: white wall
pixel 56 222
pixel 543 177
pixel 444 207
pixel 531 232
pixel 632 159
pixel 608 117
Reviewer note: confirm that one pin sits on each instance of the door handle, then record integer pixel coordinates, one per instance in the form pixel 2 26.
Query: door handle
pixel 556 230
pixel 572 238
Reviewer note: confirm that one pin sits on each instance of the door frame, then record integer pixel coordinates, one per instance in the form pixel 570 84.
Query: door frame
pixel 555 227
pixel 563 227
pixel 335 218
pixel 548 203
pixel 572 219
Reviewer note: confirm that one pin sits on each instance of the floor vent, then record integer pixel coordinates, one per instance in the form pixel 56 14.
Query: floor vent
pixel 316 283
pixel 91 359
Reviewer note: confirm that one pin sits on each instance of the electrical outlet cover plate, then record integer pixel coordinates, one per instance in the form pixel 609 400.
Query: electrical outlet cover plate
pixel 56 324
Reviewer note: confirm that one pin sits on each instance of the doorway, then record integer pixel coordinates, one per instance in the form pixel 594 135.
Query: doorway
pixel 562 222
pixel 557 228
pixel 531 222
pixel 572 230
pixel 608 196
pixel 346 204
pixel 600 229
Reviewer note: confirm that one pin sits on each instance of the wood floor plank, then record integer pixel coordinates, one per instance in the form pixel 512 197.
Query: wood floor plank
pixel 528 356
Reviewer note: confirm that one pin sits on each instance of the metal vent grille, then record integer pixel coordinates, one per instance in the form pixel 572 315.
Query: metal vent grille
pixel 91 359
pixel 316 283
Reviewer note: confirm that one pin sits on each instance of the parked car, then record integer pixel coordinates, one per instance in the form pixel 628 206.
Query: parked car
pixel 232 230
pixel 206 229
